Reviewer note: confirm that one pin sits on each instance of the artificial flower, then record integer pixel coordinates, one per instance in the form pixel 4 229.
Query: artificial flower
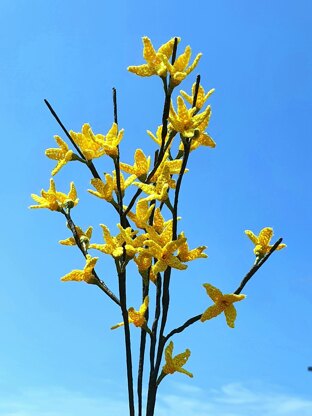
pixel 84 237
pixel 136 318
pixel 185 254
pixel 262 241
pixel 222 303
pixel 179 70
pixel 185 121
pixel 56 201
pixel 85 275
pixel 176 363
pixel 61 154
pixel 142 213
pixel 140 167
pixel 91 145
pixel 103 190
pixel 201 96
pixel 154 59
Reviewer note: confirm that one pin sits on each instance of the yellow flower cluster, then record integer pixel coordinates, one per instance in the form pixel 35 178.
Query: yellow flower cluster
pixel 144 235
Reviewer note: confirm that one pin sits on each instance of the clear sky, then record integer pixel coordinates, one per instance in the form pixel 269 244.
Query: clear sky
pixel 58 356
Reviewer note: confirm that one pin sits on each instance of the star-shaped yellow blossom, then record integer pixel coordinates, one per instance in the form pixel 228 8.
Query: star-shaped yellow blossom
pixel 112 140
pixel 164 254
pixel 201 96
pixel 184 254
pixel 159 223
pixel 201 138
pixel 136 318
pixel 180 69
pixel 168 168
pixel 262 241
pixel 124 183
pixel 176 363
pixel 223 303
pixel 142 214
pixel 140 167
pixel 158 191
pixel 85 275
pixel 56 201
pixel 62 155
pixel 84 238
pixel 154 60
pixel 90 144
pixel 185 121
pixel 157 139
pixel 103 190
pixel 124 241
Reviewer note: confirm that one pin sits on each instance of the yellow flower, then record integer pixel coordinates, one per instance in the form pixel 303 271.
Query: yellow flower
pixel 157 139
pixel 176 363
pixel 90 144
pixel 164 254
pixel 84 237
pixel 154 60
pixel 185 121
pixel 136 318
pixel 142 213
pixel 180 70
pixel 158 191
pixel 85 275
pixel 115 246
pixel 112 140
pixel 103 190
pixel 140 167
pixel 184 254
pixel 223 303
pixel 159 223
pixel 262 241
pixel 201 96
pixel 62 155
pixel 56 201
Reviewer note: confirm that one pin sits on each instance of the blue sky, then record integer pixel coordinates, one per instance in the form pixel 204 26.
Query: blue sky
pixel 57 353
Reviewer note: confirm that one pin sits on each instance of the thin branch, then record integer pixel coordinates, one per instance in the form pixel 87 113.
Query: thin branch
pixel 101 284
pixel 251 272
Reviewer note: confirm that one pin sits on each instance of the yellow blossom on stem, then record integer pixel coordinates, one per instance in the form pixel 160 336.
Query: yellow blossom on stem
pixel 140 167
pixel 142 214
pixel 164 255
pixel 157 138
pixel 180 69
pixel 85 275
pixel 201 96
pixel 103 190
pixel 158 191
pixel 90 144
pixel 61 154
pixel 84 237
pixel 176 363
pixel 159 223
pixel 185 121
pixel 123 242
pixel 154 59
pixel 112 140
pixel 184 254
pixel 56 201
pixel 262 241
pixel 222 303
pixel 136 318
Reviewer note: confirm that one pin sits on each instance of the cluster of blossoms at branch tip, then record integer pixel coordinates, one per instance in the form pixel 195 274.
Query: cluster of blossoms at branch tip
pixel 144 235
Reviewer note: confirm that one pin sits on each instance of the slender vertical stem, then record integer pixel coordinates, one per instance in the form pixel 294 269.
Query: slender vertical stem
pixel 121 268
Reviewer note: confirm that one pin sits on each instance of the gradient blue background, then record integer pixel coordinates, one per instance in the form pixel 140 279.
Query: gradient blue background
pixel 58 356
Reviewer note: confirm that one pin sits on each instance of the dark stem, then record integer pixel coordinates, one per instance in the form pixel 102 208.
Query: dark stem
pixel 101 284
pixel 196 91
pixel 145 290
pixel 122 277
pixel 247 277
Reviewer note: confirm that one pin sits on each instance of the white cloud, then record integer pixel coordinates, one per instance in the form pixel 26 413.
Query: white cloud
pixel 232 399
